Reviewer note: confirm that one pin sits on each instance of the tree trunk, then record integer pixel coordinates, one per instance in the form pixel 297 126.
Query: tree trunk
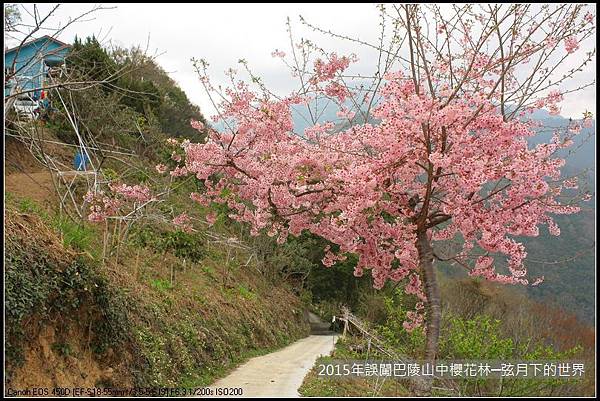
pixel 433 307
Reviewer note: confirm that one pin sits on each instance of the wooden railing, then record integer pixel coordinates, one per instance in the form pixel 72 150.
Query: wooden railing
pixel 350 319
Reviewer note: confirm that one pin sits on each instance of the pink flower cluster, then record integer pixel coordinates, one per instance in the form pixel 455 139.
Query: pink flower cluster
pixel 183 222
pixel 101 206
pixel 211 218
pixel 337 90
pixel 414 320
pixel 197 125
pixel 137 193
pixel 325 71
pixel 571 44
pixel 345 113
pixel 551 101
pixel 551 42
pixel 161 168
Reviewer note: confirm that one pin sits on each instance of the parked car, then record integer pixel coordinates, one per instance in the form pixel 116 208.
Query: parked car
pixel 26 106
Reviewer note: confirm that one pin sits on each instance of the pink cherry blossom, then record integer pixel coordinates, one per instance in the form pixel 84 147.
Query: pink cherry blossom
pixel 211 218
pixel 537 281
pixel 345 113
pixel 337 90
pixel 571 44
pixel 161 168
pixel 326 70
pixel 183 222
pixel 137 193
pixel 197 125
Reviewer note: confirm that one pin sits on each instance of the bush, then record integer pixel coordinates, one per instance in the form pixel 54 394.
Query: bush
pixel 189 246
pixel 397 304
pixel 481 339
pixel 477 338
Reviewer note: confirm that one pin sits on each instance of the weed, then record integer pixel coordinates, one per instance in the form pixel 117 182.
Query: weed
pixel 161 285
pixel 28 205
pixel 74 235
pixel 63 349
pixel 246 293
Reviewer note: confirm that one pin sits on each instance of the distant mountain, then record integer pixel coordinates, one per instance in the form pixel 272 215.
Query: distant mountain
pixel 568 264
pixel 320 112
pixel 582 153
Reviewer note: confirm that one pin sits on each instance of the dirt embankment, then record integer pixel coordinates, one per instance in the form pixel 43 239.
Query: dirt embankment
pixel 34 185
pixel 144 317
pixel 60 356
pixel 55 323
pixel 18 159
pixel 24 175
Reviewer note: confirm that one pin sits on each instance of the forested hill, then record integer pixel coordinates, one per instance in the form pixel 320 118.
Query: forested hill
pixel 140 98
pixel 568 261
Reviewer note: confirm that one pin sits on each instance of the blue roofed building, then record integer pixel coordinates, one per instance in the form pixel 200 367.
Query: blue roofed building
pixel 27 68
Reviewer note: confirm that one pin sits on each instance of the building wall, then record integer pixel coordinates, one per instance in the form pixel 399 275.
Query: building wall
pixel 29 66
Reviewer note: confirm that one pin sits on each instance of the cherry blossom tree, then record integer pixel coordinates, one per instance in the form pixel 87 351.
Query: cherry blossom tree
pixel 429 159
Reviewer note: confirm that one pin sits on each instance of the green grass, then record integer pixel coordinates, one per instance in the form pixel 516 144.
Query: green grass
pixel 28 205
pixel 63 349
pixel 161 285
pixel 319 386
pixel 78 236
pixel 246 293
pixel 181 333
pixel 74 235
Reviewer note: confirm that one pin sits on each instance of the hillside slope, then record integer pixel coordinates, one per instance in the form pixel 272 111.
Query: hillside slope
pixel 72 321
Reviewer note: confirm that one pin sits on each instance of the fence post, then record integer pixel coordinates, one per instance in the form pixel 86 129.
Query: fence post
pixel 345 322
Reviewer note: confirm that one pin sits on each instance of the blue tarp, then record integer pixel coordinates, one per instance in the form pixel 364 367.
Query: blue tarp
pixel 81 161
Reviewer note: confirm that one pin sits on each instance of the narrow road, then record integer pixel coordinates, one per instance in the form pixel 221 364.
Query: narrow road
pixel 280 373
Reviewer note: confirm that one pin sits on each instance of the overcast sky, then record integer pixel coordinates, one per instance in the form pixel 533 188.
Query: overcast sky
pixel 224 33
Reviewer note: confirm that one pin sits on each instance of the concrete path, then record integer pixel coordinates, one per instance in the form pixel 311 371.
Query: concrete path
pixel 280 373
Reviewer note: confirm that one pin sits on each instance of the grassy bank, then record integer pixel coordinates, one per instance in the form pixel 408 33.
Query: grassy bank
pixel 146 318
